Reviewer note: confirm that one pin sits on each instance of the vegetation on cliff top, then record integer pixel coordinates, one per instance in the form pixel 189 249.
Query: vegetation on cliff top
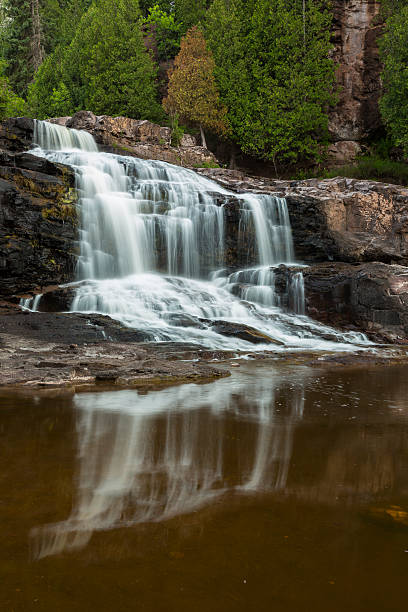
pixel 394 53
pixel 192 92
pixel 271 66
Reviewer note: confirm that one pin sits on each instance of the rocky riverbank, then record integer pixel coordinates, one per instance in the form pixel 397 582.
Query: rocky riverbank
pixel 352 234
pixel 44 350
pixel 40 351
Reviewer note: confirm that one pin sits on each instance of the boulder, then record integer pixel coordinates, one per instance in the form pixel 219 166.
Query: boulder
pixel 140 138
pixel 343 152
pixel 241 331
pixel 16 134
pixel 372 297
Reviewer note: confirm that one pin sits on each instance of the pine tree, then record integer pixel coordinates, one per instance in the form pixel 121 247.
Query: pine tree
pixel 192 92
pixel 105 69
pixel 60 19
pixel 394 100
pixel 22 42
pixel 10 104
pixel 274 74
pixel 190 12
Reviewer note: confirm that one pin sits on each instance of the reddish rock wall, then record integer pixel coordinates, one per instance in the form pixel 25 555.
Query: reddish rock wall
pixel 356 29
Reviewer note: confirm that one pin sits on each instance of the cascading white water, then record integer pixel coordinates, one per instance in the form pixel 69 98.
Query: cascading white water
pixel 152 238
pixel 31 303
pixel 58 138
pixel 297 293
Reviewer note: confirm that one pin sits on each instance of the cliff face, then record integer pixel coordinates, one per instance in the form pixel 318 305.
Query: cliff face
pixel 139 138
pixel 38 223
pixel 356 29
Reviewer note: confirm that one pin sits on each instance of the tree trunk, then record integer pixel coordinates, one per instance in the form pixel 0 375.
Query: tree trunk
pixel 275 166
pixel 203 141
pixel 233 163
pixel 37 50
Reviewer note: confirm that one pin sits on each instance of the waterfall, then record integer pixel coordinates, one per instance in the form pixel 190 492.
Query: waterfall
pixel 58 138
pixel 32 303
pixel 297 293
pixel 152 244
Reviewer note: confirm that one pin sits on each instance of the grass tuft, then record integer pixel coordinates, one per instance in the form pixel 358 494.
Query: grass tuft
pixel 373 169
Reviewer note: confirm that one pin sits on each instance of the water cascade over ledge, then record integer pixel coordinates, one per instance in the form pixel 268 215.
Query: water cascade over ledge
pixel 153 253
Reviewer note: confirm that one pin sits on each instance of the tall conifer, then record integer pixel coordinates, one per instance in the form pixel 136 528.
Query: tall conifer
pixel 192 92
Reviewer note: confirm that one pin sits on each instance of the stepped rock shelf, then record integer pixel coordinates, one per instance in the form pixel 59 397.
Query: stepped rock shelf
pixel 233 231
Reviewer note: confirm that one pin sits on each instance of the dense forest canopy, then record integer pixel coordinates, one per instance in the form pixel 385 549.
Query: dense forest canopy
pixel 268 63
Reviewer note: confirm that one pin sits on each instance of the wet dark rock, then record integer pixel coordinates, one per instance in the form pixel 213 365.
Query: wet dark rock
pixel 70 328
pixel 183 320
pixel 16 134
pixel 57 299
pixel 371 297
pixel 38 223
pixel 335 219
pixel 37 351
pixel 241 331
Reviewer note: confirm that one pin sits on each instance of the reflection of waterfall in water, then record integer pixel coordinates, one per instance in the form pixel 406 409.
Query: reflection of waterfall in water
pixel 154 457
pixel 152 237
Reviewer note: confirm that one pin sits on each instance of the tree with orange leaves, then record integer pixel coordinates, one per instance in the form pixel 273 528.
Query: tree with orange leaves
pixel 192 91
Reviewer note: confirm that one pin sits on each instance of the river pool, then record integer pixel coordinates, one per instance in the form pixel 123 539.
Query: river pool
pixel 279 488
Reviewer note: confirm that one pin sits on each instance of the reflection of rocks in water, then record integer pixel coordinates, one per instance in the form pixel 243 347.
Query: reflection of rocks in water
pixel 153 457
pixel 358 464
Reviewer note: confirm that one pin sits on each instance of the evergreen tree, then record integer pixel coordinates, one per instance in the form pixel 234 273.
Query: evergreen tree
pixel 274 74
pixel 163 5
pixel 48 79
pixel 190 12
pixel 10 104
pixel 18 38
pixel 165 31
pixel 105 69
pixel 394 101
pixel 192 92
pixel 60 19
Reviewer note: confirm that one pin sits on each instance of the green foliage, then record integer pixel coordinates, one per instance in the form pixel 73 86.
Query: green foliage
pixel 207 165
pixel 394 101
pixel 390 7
pixel 190 12
pixel 374 168
pixel 16 43
pixel 167 32
pixel 105 69
pixel 177 132
pixel 49 79
pixel 60 19
pixel 60 101
pixel 192 92
pixel 274 74
pixel 10 104
pixel 164 5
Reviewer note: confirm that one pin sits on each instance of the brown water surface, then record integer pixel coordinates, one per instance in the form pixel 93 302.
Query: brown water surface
pixel 280 488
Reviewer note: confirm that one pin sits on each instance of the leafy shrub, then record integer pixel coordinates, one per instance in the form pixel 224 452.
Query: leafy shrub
pixel 167 32
pixel 177 132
